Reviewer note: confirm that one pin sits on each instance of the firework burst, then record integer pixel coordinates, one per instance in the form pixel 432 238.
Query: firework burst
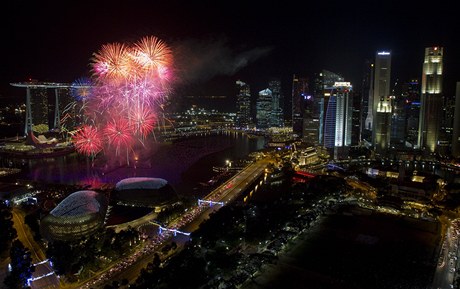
pixel 129 86
pixel 118 132
pixel 143 121
pixel 113 62
pixel 152 54
pixel 87 141
pixel 81 88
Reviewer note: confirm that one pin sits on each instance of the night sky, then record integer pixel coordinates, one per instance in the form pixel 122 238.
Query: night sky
pixel 218 42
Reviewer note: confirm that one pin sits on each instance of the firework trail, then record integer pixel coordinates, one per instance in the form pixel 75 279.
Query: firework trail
pixel 130 83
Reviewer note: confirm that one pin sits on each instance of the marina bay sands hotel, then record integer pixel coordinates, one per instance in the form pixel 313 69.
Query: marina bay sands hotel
pixel 40 106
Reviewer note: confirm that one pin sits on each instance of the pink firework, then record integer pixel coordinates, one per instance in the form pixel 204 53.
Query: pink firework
pixel 129 84
pixel 118 133
pixel 87 141
pixel 143 120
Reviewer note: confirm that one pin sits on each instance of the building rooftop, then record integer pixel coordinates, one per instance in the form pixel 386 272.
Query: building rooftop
pixel 77 204
pixel 140 183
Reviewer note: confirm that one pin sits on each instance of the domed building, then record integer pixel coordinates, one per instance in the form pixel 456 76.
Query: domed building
pixel 145 192
pixel 79 214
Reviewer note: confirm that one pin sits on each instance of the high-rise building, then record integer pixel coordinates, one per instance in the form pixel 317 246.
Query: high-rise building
pixel 410 96
pixel 66 110
pixel 356 117
pixel 366 102
pixel 398 116
pixel 431 99
pixel 323 82
pixel 52 104
pixel 310 134
pixel 314 112
pixel 456 133
pixel 39 104
pixel 447 126
pixel 264 109
pixel 277 113
pixel 338 120
pixel 381 126
pixel 243 103
pixel 299 92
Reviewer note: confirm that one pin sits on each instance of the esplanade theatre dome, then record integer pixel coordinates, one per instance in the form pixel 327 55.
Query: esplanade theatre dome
pixel 79 214
pixel 145 192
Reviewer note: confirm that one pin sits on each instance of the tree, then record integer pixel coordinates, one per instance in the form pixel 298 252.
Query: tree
pixel 62 255
pixel 156 260
pixel 8 233
pixel 21 266
pixel 40 128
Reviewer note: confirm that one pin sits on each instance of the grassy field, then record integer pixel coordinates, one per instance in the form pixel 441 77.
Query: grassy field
pixel 358 251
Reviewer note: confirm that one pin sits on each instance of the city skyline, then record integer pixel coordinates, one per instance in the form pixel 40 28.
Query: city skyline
pixel 216 45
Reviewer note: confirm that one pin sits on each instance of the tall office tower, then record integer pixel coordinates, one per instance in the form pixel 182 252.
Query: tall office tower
pixel 277 114
pixel 447 127
pixel 398 117
pixel 310 134
pixel 410 95
pixel 299 91
pixel 356 117
pixel 264 109
pixel 322 85
pixel 431 99
pixel 456 133
pixel 315 114
pixel 243 105
pixel 366 102
pixel 338 120
pixel 381 126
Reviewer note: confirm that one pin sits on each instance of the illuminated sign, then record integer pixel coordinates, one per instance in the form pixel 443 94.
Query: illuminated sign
pixel 383 53
pixel 341 83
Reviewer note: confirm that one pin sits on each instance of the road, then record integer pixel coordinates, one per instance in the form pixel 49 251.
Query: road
pixel 447 262
pixel 37 254
pixel 224 193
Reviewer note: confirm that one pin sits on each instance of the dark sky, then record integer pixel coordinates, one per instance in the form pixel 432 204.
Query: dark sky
pixel 218 42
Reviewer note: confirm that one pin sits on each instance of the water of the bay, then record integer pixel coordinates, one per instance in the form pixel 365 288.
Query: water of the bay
pixel 183 164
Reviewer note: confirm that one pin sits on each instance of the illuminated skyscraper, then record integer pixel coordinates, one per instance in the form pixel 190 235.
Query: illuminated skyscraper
pixel 276 118
pixel 323 83
pixel 366 102
pixel 243 103
pixel 431 99
pixel 411 108
pixel 299 91
pixel 381 127
pixel 313 114
pixel 456 134
pixel 338 120
pixel 264 109
pixel 310 134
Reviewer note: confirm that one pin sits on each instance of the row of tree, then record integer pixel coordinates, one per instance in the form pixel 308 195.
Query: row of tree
pixel 20 266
